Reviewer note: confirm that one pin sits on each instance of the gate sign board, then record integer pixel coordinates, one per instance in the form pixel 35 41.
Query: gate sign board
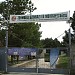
pixel 63 16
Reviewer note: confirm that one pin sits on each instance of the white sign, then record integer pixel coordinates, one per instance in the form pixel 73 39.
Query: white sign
pixel 33 53
pixel 63 16
pixel 15 53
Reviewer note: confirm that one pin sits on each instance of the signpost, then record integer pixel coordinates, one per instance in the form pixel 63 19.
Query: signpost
pixel 63 16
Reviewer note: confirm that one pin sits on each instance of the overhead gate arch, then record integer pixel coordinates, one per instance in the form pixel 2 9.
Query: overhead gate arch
pixel 34 57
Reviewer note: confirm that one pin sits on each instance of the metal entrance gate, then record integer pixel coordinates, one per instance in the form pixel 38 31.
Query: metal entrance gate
pixel 35 62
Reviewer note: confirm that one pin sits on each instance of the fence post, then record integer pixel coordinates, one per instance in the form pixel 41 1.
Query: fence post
pixel 37 60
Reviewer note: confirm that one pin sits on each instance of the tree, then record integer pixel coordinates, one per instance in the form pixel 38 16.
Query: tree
pixel 50 43
pixel 65 42
pixel 66 37
pixel 56 43
pixel 2 38
pixel 25 35
pixel 21 34
pixel 16 7
pixel 73 27
pixel 73 22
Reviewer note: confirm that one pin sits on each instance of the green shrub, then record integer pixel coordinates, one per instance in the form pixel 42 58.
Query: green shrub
pixel 63 62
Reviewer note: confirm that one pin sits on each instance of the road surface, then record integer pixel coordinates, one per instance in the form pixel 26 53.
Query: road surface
pixel 32 64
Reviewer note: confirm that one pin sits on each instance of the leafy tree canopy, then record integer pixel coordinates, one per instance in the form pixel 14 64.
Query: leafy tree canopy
pixel 16 7
pixel 50 43
pixel 21 34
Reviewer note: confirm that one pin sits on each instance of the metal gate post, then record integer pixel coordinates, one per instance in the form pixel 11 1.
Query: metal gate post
pixel 70 49
pixel 2 59
pixel 37 60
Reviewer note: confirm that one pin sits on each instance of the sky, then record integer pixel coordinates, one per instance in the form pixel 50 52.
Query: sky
pixel 53 29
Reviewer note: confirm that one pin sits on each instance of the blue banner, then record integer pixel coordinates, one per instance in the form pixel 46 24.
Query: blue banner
pixel 54 54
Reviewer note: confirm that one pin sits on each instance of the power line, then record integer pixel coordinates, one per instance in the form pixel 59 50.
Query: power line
pixel 62 33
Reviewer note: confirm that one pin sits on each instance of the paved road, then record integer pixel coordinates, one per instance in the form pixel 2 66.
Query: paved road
pixel 27 64
pixel 43 64
pixel 32 64
pixel 17 73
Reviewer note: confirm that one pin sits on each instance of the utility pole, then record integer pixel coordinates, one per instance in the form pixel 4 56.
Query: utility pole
pixel 70 50
pixel 70 45
pixel 6 56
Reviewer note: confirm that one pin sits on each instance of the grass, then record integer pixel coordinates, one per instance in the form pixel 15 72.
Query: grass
pixel 63 61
